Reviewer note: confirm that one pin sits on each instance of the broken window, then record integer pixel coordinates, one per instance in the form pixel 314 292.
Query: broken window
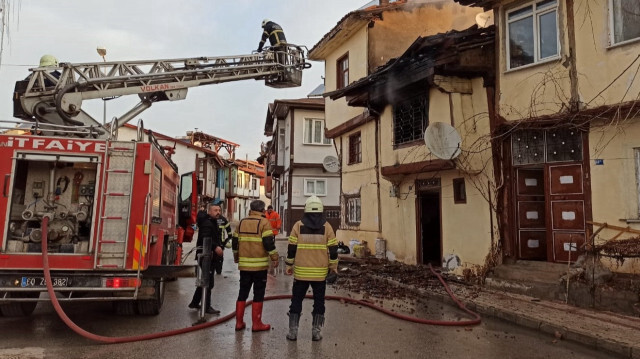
pixel 532 32
pixel 314 132
pixel 352 206
pixel 355 148
pixel 342 71
pixel 410 119
pixel 625 15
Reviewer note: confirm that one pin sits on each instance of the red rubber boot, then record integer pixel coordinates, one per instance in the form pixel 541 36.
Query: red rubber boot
pixel 240 315
pixel 256 317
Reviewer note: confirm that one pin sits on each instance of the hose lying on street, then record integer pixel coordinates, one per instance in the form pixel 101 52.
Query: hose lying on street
pixel 114 340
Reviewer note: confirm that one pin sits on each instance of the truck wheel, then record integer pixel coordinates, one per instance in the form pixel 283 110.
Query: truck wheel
pixel 153 306
pixel 19 309
pixel 124 307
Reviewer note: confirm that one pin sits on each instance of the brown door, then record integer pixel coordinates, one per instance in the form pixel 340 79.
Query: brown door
pixel 531 214
pixel 566 212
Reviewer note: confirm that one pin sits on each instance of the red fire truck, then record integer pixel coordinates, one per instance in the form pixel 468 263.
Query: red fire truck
pixel 120 209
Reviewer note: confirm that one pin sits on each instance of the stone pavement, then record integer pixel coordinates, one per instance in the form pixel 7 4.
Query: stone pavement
pixel 605 331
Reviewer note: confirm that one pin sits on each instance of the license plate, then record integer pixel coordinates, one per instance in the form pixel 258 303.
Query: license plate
pixel 28 282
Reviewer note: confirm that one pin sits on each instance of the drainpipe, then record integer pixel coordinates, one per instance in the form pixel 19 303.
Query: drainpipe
pixel 377 167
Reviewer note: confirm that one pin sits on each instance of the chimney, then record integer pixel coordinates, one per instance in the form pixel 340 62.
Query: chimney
pixel 384 2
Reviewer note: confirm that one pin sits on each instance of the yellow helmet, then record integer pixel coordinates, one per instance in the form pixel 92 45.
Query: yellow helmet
pixel 48 60
pixel 313 205
pixel 264 22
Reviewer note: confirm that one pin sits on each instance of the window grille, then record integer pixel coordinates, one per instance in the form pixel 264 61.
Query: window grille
pixel 410 119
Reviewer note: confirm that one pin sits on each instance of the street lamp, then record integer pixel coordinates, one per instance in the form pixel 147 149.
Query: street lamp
pixel 102 51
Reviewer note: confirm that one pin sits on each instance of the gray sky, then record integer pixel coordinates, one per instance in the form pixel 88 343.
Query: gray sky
pixel 161 29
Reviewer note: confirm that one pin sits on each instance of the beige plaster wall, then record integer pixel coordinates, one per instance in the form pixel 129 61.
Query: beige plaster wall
pixel 399 28
pixel 599 63
pixel 337 112
pixel 466 228
pixel 542 88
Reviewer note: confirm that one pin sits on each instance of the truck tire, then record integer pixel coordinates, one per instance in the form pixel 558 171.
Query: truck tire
pixel 124 307
pixel 19 309
pixel 153 306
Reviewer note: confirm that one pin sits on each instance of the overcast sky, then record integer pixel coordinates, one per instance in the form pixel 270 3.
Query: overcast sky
pixel 161 29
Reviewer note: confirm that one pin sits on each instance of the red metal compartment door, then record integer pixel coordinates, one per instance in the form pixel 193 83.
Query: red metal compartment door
pixel 6 174
pixel 567 212
pixel 531 214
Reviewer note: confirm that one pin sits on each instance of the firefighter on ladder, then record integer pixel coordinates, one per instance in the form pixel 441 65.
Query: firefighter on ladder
pixel 312 258
pixel 278 41
pixel 253 246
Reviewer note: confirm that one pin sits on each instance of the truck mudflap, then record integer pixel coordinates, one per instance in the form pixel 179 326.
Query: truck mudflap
pixel 174 271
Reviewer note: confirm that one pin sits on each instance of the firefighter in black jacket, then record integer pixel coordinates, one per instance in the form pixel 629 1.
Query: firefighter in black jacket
pixel 273 32
pixel 208 228
pixel 225 226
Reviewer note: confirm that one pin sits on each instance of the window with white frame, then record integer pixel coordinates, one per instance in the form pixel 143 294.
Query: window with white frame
pixel 314 186
pixel 314 132
pixel 352 210
pixel 532 33
pixel 625 20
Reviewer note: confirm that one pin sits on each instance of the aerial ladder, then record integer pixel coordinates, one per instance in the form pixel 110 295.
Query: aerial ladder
pixel 116 229
pixel 52 97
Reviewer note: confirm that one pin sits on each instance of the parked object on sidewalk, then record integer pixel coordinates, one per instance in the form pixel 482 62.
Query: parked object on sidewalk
pixel 361 250
pixel 342 249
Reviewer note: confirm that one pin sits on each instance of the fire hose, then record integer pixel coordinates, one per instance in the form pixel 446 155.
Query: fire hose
pixel 113 340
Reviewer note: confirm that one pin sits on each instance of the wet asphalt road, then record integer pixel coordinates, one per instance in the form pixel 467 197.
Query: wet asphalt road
pixel 350 331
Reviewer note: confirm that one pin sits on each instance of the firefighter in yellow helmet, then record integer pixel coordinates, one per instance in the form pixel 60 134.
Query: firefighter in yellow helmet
pixel 48 60
pixel 273 32
pixel 312 258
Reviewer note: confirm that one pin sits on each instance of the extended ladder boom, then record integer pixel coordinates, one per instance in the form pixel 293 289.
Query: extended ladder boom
pixel 55 97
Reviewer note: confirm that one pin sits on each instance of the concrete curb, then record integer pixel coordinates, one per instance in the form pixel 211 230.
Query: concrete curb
pixel 577 335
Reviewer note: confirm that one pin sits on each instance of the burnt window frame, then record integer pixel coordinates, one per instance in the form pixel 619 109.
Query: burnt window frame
pixel 341 81
pixel 417 135
pixel 459 191
pixel 349 201
pixel 355 154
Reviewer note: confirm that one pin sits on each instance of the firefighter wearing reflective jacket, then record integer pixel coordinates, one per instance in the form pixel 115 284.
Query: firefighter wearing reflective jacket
pixel 253 246
pixel 273 32
pixel 312 254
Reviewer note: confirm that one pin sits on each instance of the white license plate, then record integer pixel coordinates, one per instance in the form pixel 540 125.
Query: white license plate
pixel 28 282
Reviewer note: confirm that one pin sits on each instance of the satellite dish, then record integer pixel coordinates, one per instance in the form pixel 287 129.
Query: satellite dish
pixel 485 19
pixel 331 164
pixel 442 140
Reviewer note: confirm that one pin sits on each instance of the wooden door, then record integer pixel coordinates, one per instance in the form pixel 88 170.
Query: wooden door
pixel 531 214
pixel 566 197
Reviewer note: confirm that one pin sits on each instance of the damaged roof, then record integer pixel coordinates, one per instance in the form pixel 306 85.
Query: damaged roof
pixel 355 20
pixel 442 51
pixel 485 4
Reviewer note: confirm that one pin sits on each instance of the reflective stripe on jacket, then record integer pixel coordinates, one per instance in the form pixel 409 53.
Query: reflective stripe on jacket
pixel 274 33
pixel 315 252
pixel 253 243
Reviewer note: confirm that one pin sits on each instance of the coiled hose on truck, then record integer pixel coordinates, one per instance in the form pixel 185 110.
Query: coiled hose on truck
pixel 114 340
